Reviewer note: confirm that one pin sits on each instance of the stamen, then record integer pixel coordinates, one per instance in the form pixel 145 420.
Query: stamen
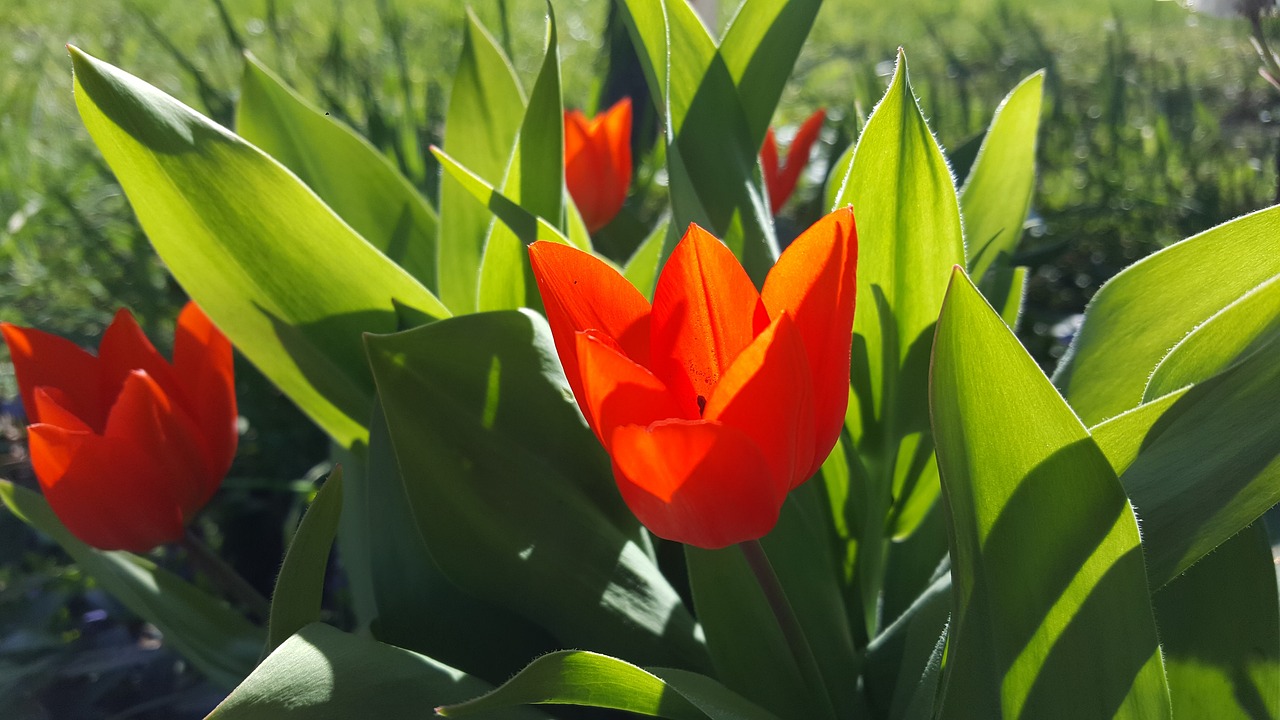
pixel 702 405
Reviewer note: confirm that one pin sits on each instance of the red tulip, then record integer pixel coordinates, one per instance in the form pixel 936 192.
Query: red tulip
pixel 597 162
pixel 127 446
pixel 781 182
pixel 717 400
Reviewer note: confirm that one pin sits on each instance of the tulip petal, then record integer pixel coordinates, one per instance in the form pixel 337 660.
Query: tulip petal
pixel 145 415
pixel 125 348
pixel 617 391
pixel 768 394
pixel 815 282
pixel 769 169
pixel 797 158
pixel 203 363
pixel 581 292
pixel 705 311
pixel 51 407
pixel 696 482
pixel 44 360
pixel 107 492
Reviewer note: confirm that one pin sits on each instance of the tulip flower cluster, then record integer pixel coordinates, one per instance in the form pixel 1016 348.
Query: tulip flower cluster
pixel 126 445
pixel 716 400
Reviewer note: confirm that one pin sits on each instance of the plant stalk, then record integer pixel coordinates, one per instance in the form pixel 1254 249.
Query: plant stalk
pixel 224 577
pixel 788 623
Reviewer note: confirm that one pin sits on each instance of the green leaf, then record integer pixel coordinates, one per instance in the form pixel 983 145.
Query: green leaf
pixel 325 674
pixel 1238 330
pixel 459 629
pixel 760 48
pixel 535 180
pixel 513 493
pixel 1052 610
pixel 348 173
pixel 1140 314
pixel 909 239
pixel 486 107
pixel 712 164
pixel 526 226
pixel 997 192
pixel 218 641
pixel 295 602
pixel 573 677
pixel 644 264
pixel 900 661
pixel 1202 463
pixel 260 253
pixel 741 628
pixel 1220 632
pixel 1004 288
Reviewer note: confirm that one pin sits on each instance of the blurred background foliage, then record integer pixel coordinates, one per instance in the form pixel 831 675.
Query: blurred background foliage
pixel 1156 127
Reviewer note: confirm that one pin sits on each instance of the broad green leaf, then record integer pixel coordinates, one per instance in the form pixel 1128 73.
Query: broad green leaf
pixel 1140 314
pixel 535 180
pixel 218 641
pixel 513 493
pixel 1052 610
pixel 643 266
pixel 295 603
pixel 1201 463
pixel 760 48
pixel 740 626
pixel 997 192
pixel 1220 632
pixel 348 173
pixel 459 629
pixel 260 253
pixel 909 238
pixel 573 677
pixel 486 107
pixel 526 226
pixel 355 543
pixel 712 165
pixel 325 674
pixel 1229 336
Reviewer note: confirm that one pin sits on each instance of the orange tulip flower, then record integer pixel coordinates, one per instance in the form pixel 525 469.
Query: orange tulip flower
pixel 127 446
pixel 717 400
pixel 597 162
pixel 781 182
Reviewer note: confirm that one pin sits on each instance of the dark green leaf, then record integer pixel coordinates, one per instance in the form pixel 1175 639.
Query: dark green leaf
pixel 299 589
pixel 513 493
pixel 325 674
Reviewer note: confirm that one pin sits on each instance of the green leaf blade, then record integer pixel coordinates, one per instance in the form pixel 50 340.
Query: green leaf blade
pixel 1052 611
pixel 252 245
pixel 513 493
pixel 997 192
pixel 349 174
pixel 1140 314
pixel 295 603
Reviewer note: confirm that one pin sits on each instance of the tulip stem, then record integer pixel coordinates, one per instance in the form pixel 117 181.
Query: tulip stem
pixel 788 623
pixel 224 577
